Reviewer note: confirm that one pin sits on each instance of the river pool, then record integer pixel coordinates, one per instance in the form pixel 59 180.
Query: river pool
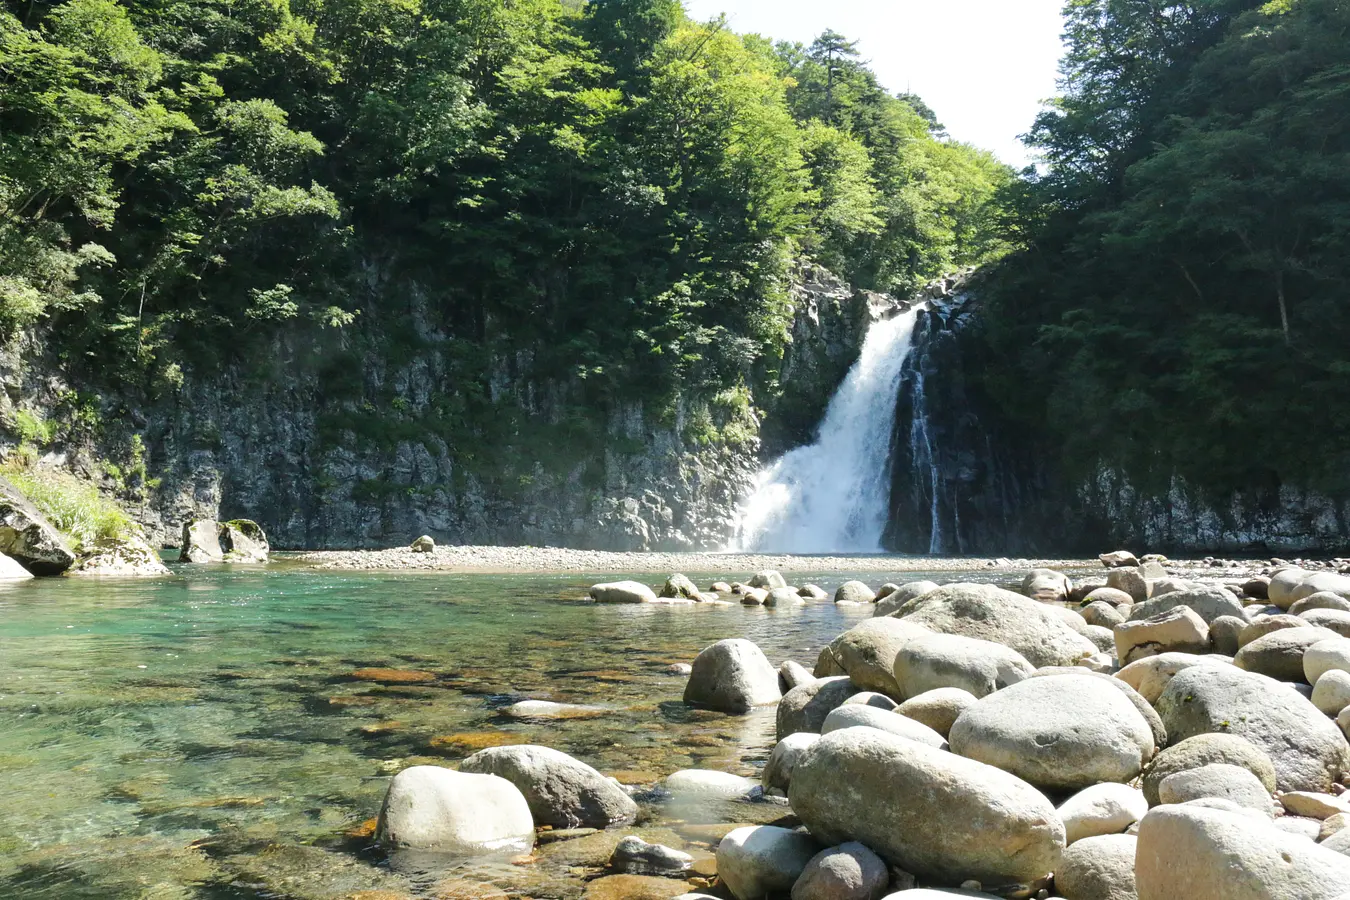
pixel 205 736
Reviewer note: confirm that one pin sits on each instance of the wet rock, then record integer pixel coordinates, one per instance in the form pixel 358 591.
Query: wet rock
pixel 393 676
pixel 784 758
pixel 880 719
pixel 938 709
pixel 754 596
pixel 201 542
pixel 854 592
pixel 732 676
pixel 547 709
pixel 929 662
pixel 1061 732
pixel 637 857
pixel 763 860
pixel 805 708
pixel 122 557
pixel 943 818
pixel 847 872
pixel 993 614
pixel 1176 630
pixel 1280 654
pixel 1208 854
pixel 1098 868
pixel 768 579
pixel 1047 586
pixel 1107 808
pixel 561 791
pixel 1306 748
pixel 243 541
pixel 622 592
pixel 721 587
pixel 462 889
pixel 678 585
pixel 424 544
pixel 430 808
pixel 1222 780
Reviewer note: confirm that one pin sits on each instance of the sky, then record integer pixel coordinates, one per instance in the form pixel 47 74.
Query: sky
pixel 984 66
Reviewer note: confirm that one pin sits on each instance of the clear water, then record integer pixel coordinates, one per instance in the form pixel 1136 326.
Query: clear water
pixel 832 496
pixel 203 736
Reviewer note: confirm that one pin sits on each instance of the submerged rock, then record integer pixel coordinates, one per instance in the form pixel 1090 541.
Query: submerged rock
pixel 637 857
pixel 430 808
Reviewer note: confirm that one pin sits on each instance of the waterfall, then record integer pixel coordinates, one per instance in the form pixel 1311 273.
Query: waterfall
pixel 832 496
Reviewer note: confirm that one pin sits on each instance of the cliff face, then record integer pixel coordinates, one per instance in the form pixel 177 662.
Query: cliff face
pixel 374 455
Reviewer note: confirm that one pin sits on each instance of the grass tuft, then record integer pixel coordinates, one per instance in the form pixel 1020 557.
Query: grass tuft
pixel 75 507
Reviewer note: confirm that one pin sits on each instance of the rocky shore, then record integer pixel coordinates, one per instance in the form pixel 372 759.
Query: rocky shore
pixel 1139 735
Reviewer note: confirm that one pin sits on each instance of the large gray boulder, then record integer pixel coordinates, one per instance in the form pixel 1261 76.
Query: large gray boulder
pixel 1203 750
pixel 1320 582
pixel 902 595
pixel 1320 600
pixel 1331 619
pixel 768 579
pixel 201 542
pixel 943 818
pixel 678 585
pixel 1222 780
pixel 866 652
pixel 804 708
pixel 1224 633
pixel 27 536
pixel 992 614
pixel 763 860
pixel 561 791
pixel 847 872
pixel 1262 625
pixel 1208 603
pixel 854 592
pixel 933 661
pixel 938 709
pixel 1098 868
pixel 1198 853
pixel 1047 586
pixel 622 592
pixel 732 676
pixel 431 808
pixel 243 541
pixel 1307 749
pixel 1280 653
pixel 127 556
pixel 1175 630
pixel 1282 583
pixel 857 716
pixel 1060 732
pixel 1148 712
pixel 1107 808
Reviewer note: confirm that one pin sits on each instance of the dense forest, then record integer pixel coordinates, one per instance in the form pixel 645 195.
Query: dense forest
pixel 1179 306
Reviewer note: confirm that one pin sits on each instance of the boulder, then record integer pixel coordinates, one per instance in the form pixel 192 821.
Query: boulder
pixel 1304 828
pixel 847 872
pixel 1320 600
pixel 792 674
pixel 938 709
pixel 1098 868
pixel 813 592
pixel 1131 581
pixel 1306 748
pixel 678 585
pixel 1118 559
pixel 932 661
pixel 1103 614
pixel 1330 619
pixel 1223 634
pixel 768 579
pixel 943 818
pixel 200 543
pixel 721 587
pixel 784 758
pixel 1150 675
pixel 128 556
pixel 854 592
pixel 1110 596
pixel 867 651
pixel 561 791
pixel 1260 626
pixel 754 596
pixel 1280 653
pixel 1313 805
pixel 1223 780
pixel 762 860
pixel 1061 732
pixel 902 595
pixel 1331 694
pixel 1176 630
pixel 1281 586
pixel 1159 586
pixel 872 698
pixel 424 544
pixel 1208 854
pixel 1107 808
pixel 803 709
pixel 784 597
pixel 243 541
pixel 1339 843
pixel 622 592
pixel 1208 603
pixel 993 614
pixel 1047 586
pixel 1140 704
pixel 27 536
pixel 431 808
pixel 732 676
pixel 1257 587
pixel 706 783
pixel 893 723
pixel 637 857
pixel 1319 582
pixel 1203 750
pixel 1323 656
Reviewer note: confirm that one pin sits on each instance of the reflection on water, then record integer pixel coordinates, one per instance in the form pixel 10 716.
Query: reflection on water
pixel 213 736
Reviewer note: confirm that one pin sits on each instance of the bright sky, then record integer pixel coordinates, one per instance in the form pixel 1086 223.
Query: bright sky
pixel 982 65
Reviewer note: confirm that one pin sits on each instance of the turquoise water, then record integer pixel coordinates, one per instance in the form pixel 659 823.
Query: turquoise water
pixel 204 736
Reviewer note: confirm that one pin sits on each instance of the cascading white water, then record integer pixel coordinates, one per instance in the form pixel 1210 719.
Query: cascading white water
pixel 832 496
